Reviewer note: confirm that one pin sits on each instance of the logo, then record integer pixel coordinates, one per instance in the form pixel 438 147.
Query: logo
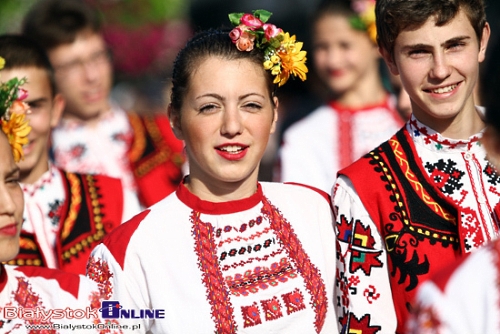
pixel 111 309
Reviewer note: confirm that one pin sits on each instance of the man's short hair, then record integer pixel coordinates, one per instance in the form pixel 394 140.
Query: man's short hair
pixel 394 16
pixel 56 22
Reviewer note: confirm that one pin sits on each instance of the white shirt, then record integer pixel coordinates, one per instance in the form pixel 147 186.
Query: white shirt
pixel 264 264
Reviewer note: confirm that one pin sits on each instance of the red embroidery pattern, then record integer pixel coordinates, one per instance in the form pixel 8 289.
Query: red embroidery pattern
pixel 260 278
pixel 312 277
pixel 272 309
pixel 99 272
pixel 251 315
pixel 430 138
pixel 27 299
pixel 217 295
pixel 294 301
pixel 254 236
pixel 247 249
pixel 250 260
pixel 95 303
pixel 242 228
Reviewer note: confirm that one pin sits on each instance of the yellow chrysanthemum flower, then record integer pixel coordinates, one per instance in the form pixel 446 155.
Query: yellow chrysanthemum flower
pixel 17 130
pixel 293 60
pixel 2 63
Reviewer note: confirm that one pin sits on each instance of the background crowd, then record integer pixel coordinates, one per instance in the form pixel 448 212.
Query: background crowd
pixel 146 35
pixel 161 98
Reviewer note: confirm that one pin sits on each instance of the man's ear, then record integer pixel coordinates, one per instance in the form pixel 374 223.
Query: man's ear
pixel 389 61
pixel 483 43
pixel 175 122
pixel 58 105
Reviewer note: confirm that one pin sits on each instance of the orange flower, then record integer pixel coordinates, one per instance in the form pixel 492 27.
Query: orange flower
pixel 293 60
pixel 17 130
pixel 283 56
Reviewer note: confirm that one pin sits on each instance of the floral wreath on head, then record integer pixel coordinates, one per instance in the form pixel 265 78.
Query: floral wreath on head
pixel 365 20
pixel 283 55
pixel 13 114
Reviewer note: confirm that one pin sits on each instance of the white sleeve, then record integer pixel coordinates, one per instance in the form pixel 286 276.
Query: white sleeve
pixel 304 159
pixel 363 288
pixel 116 284
pixel 461 299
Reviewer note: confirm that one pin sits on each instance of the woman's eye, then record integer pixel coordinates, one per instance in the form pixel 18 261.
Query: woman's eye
pixel 253 106
pixel 208 108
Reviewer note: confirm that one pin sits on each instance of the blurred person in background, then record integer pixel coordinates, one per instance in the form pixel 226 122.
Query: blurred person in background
pixel 360 112
pixel 66 214
pixel 95 135
pixel 33 299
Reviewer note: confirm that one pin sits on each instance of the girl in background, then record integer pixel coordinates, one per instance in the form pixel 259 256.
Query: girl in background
pixel 359 114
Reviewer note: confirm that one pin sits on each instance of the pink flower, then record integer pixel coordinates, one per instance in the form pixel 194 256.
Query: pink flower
pixel 245 42
pixel 270 30
pixel 22 94
pixel 235 34
pixel 251 21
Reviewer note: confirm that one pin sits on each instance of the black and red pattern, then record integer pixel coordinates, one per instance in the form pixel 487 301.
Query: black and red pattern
pixel 351 324
pixel 445 175
pixel 417 222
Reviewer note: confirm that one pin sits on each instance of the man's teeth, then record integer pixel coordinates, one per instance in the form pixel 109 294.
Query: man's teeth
pixel 231 149
pixel 444 89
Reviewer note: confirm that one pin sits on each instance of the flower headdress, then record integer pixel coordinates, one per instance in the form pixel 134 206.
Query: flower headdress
pixel 12 114
pixel 283 55
pixel 365 20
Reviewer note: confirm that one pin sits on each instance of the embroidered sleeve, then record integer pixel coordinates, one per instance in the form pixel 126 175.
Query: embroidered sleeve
pixel 363 293
pixel 120 288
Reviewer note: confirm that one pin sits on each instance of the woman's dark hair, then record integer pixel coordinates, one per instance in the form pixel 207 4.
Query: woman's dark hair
pixel 208 43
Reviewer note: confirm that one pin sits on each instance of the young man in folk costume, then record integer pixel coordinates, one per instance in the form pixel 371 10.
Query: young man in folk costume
pixel 95 135
pixel 66 214
pixel 443 304
pixel 47 300
pixel 427 195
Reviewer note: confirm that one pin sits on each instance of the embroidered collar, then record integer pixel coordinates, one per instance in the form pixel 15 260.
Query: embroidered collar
pixel 214 208
pixel 386 103
pixel 46 178
pixel 433 140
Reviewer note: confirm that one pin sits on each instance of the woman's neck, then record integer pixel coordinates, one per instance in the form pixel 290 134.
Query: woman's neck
pixel 220 191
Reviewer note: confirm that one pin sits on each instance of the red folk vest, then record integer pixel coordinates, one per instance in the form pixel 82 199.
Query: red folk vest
pixel 156 156
pixel 420 227
pixel 93 207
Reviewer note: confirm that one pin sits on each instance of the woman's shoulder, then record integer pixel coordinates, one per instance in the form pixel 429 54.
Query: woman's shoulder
pixel 293 190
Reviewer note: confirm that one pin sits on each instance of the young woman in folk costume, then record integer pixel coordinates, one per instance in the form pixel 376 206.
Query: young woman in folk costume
pixel 225 253
pixel 358 114
pixel 34 299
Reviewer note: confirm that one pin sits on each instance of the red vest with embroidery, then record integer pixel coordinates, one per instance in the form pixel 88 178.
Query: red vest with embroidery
pixel 420 227
pixel 156 156
pixel 93 207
